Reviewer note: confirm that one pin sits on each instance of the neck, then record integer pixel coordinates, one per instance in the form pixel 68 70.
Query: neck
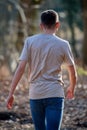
pixel 49 31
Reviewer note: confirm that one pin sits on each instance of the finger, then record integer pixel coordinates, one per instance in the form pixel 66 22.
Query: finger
pixel 10 103
pixel 9 106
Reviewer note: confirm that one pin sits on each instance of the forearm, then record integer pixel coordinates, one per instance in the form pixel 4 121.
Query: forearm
pixel 18 74
pixel 72 76
pixel 15 80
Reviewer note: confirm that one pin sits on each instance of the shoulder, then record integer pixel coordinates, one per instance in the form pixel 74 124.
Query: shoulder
pixel 61 40
pixel 28 40
pixel 33 37
pixel 64 43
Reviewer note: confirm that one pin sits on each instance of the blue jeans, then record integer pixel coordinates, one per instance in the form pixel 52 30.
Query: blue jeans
pixel 47 113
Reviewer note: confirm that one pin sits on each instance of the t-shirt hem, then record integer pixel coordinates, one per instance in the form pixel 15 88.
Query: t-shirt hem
pixel 33 98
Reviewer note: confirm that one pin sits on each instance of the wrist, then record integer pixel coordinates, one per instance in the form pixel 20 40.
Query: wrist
pixel 71 87
pixel 11 94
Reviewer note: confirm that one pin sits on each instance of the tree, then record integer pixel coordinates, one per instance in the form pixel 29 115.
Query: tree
pixel 30 8
pixel 73 8
pixel 84 7
pixel 17 22
pixel 8 30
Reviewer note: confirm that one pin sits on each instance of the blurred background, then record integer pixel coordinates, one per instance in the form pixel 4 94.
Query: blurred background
pixel 21 18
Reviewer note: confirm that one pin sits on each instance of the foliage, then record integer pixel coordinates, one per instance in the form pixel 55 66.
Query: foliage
pixel 36 1
pixel 73 8
pixel 81 71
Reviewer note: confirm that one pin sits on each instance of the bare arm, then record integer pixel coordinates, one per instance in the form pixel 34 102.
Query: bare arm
pixel 72 78
pixel 18 74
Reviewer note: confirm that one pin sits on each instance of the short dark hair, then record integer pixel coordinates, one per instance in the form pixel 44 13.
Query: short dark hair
pixel 49 18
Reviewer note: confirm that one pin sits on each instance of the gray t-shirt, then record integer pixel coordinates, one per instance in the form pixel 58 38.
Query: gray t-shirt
pixel 45 53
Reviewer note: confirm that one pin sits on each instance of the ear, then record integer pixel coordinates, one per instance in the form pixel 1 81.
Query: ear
pixel 57 25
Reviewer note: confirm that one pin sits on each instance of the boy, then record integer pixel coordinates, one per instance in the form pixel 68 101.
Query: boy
pixel 45 53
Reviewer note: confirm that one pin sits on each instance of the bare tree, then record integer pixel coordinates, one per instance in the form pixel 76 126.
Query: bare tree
pixel 84 6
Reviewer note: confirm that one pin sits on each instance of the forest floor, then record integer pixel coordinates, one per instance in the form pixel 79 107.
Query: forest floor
pixel 19 118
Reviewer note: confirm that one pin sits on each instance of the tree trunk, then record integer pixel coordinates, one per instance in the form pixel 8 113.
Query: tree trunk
pixel 84 5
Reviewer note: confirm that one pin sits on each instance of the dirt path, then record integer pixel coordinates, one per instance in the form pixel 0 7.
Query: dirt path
pixel 19 118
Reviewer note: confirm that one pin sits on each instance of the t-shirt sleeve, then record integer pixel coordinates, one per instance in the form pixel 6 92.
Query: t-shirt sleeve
pixel 68 57
pixel 24 54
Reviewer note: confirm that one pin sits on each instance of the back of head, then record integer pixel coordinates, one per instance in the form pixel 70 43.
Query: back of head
pixel 49 18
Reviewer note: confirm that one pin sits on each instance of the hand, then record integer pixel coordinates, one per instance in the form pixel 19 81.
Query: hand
pixel 10 102
pixel 70 93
